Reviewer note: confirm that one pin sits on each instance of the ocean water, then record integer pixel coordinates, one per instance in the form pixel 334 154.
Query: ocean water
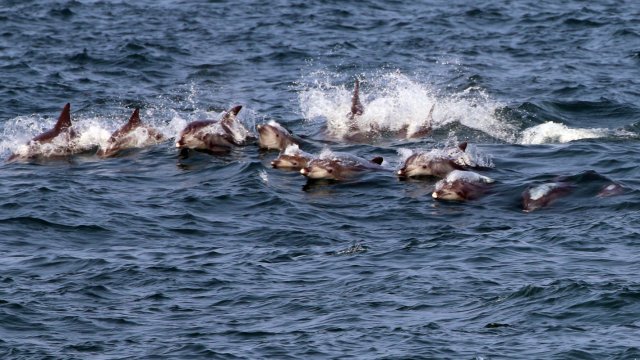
pixel 154 255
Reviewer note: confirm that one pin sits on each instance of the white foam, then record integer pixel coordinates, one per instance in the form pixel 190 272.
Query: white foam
pixel 239 132
pixel 405 153
pixel 467 176
pixel 471 157
pixel 393 101
pixel 92 134
pixel 277 125
pixel 539 191
pixel 262 174
pixel 553 132
pixel 294 150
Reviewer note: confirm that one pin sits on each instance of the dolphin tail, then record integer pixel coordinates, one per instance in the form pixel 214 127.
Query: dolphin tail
pixel 64 121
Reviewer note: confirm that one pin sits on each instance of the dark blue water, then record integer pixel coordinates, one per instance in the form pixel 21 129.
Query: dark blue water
pixel 151 255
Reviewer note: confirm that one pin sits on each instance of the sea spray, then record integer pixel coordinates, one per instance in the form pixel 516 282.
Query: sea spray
pixel 393 102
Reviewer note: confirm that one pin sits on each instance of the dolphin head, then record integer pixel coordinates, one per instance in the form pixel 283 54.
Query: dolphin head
pixel 321 169
pixel 426 165
pixel 290 162
pixel 449 191
pixel 273 136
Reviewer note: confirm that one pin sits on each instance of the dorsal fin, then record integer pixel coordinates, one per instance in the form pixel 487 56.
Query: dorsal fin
pixel 430 117
pixel 64 120
pixel 134 120
pixel 231 113
pixel 377 160
pixel 228 117
pixel 463 146
pixel 356 105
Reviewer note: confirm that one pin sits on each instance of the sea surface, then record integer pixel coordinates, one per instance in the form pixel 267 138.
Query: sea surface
pixel 152 255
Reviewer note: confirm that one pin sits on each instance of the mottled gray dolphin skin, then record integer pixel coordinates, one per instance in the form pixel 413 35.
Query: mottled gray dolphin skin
pixel 461 186
pixel 131 135
pixel 62 132
pixel 212 135
pixel 439 163
pixel 340 167
pixel 272 136
pixel 292 162
pixel 292 158
pixel 543 195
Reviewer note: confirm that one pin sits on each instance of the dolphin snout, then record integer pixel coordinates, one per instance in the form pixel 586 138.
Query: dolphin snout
pixel 304 171
pixel 275 163
pixel 402 172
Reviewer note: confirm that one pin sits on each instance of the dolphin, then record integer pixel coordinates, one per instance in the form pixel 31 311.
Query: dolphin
pixel 292 158
pixel 461 186
pixel 274 136
pixel 438 163
pixel 212 135
pixel 340 167
pixel 539 196
pixel 59 141
pixel 132 134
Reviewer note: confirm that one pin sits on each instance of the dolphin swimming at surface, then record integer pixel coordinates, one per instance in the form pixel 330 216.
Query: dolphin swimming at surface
pixel 59 141
pixel 133 134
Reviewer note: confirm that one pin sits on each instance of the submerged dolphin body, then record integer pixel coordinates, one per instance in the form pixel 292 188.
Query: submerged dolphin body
pixel 461 186
pixel 131 135
pixel 543 195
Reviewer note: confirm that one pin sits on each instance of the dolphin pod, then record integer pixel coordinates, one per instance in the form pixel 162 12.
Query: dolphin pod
pixel 453 165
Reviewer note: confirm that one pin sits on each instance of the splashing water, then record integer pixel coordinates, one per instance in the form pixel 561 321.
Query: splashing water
pixel 95 128
pixel 471 156
pixel 552 132
pixel 393 102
